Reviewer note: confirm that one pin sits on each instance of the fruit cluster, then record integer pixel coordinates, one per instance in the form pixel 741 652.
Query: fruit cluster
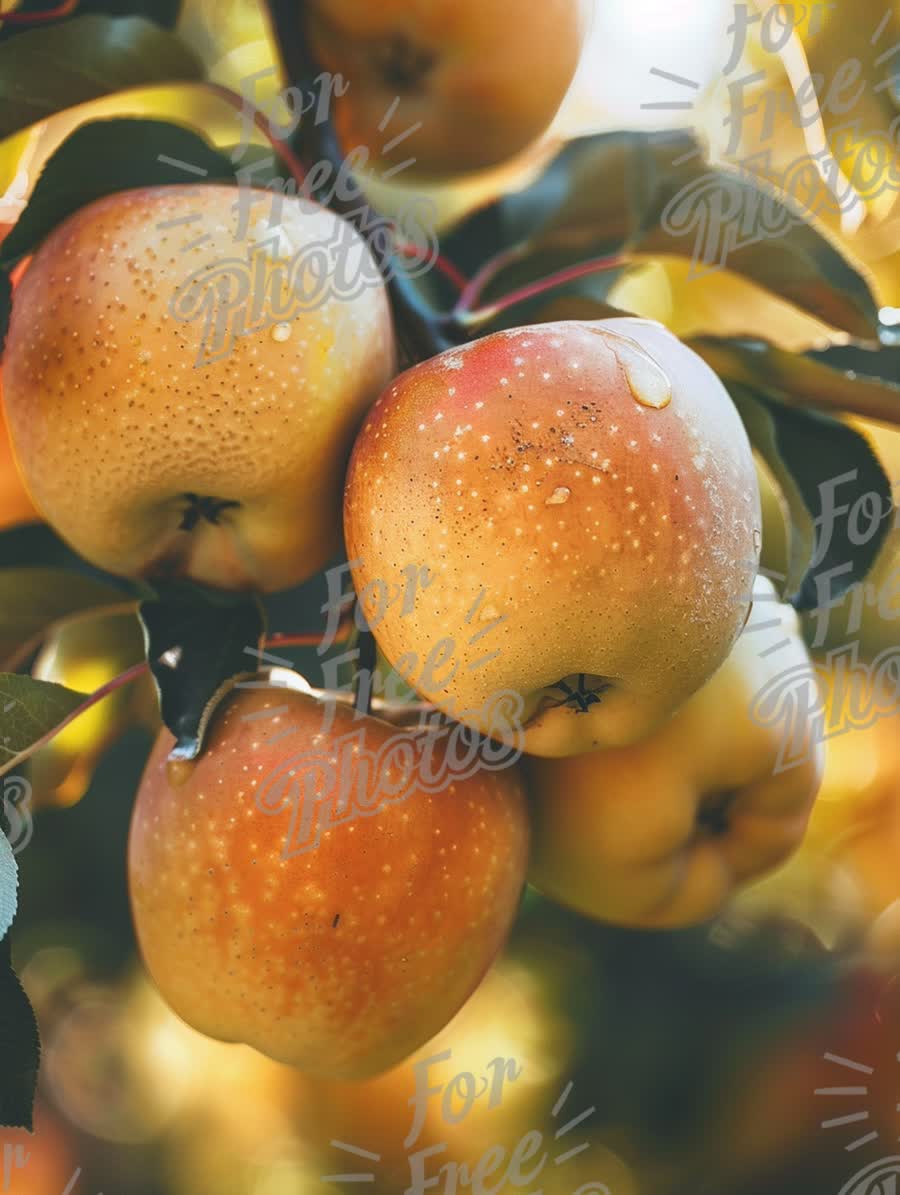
pixel 581 502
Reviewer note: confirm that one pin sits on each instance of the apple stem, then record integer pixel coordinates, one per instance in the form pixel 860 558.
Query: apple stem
pixel 421 331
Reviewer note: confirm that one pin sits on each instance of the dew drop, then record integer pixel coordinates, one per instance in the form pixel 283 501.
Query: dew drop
pixel 281 333
pixel 648 381
pixel 489 614
pixel 757 539
pixel 559 497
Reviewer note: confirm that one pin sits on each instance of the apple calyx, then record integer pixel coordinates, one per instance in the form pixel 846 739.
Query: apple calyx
pixel 579 692
pixel 201 508
pixel 402 64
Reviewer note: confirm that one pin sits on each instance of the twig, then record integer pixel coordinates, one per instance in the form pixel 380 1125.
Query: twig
pixel 37 18
pixel 472 320
pixel 262 122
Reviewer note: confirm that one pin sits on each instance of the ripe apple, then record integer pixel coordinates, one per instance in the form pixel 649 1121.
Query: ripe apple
pixel 662 832
pixel 15 505
pixel 330 894
pixel 584 498
pixel 182 402
pixel 447 86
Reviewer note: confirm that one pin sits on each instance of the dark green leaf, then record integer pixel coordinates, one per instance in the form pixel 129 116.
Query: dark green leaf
pixel 9 885
pixel 33 598
pixel 653 194
pixel 859 361
pixel 53 67
pixel 817 379
pixel 197 643
pixel 104 156
pixel 30 712
pixel 838 494
pixel 20 1048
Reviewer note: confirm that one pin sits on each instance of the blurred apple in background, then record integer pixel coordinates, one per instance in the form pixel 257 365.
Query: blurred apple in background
pixel 857 819
pixel 38 1163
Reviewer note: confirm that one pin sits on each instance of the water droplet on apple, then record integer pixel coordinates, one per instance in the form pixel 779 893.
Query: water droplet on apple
pixel 281 333
pixel 489 614
pixel 559 497
pixel 757 539
pixel 648 380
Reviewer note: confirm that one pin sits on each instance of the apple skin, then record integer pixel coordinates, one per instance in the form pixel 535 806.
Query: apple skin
pixel 341 960
pixel 15 505
pixel 449 67
pixel 568 528
pixel 113 422
pixel 643 836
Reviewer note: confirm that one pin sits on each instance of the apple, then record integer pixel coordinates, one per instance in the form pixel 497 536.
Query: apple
pixel 182 399
pixel 323 887
pixel 15 505
pixel 583 500
pixel 443 87
pixel 661 833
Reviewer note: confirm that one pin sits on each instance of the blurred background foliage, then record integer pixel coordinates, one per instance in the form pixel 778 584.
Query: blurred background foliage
pixel 700 1052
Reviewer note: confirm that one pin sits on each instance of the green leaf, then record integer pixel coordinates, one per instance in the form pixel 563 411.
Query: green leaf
pixel 858 361
pixel 20 1048
pixel 31 711
pixel 53 67
pixel 652 194
pixel 763 429
pixel 9 885
pixel 197 643
pixel 104 156
pixel 838 494
pixel 31 599
pixel 817 379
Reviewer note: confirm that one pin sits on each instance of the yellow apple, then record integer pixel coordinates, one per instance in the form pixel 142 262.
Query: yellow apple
pixel 582 501
pixel 662 832
pixel 447 86
pixel 182 392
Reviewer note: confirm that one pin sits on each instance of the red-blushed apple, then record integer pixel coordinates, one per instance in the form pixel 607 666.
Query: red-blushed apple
pixel 661 833
pixel 585 499
pixel 424 75
pixel 182 391
pixel 325 888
